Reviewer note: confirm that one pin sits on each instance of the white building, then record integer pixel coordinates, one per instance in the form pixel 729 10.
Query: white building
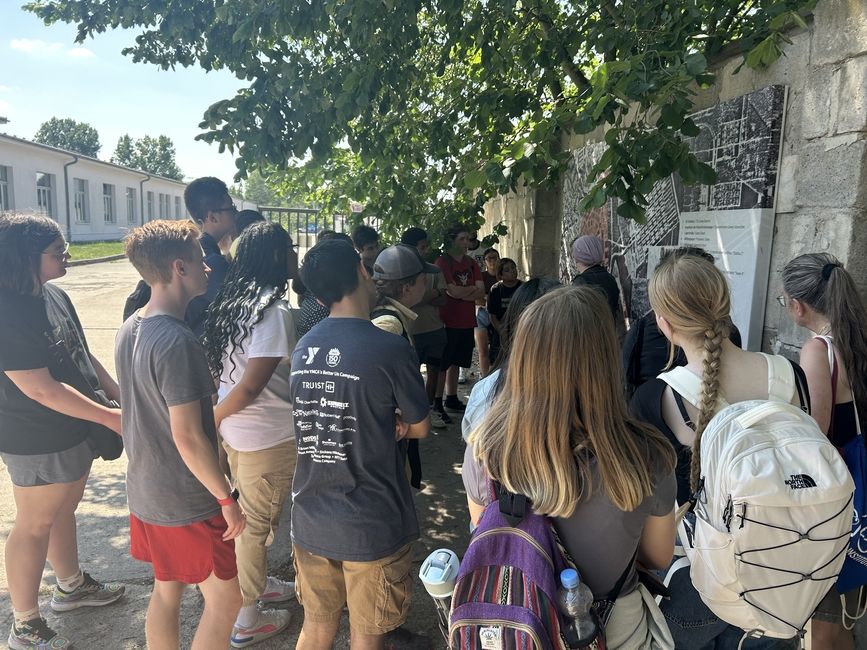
pixel 91 199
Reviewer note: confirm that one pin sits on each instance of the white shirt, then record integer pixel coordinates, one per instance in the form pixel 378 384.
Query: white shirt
pixel 267 422
pixel 480 400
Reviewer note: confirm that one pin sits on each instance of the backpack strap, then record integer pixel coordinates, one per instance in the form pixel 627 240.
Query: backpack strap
pixel 388 311
pixel 686 386
pixel 835 373
pixel 781 377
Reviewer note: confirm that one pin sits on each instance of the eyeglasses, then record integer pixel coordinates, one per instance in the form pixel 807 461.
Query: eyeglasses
pixel 58 254
pixel 782 300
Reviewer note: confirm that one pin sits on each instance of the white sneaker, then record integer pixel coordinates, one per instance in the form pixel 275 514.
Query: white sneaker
pixel 277 591
pixel 462 376
pixel 436 420
pixel 269 622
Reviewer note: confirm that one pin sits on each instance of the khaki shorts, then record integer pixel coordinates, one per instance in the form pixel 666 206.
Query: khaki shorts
pixel 377 593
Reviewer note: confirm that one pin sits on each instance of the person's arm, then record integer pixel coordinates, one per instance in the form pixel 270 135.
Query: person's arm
pixel 40 386
pixel 256 376
pixel 656 547
pixel 419 429
pixel 461 293
pixel 814 362
pixel 480 290
pixel 201 459
pixel 435 297
pixel 476 510
pixel 495 305
pixel 106 381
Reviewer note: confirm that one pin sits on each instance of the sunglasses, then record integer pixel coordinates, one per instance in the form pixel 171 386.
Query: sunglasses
pixel 58 254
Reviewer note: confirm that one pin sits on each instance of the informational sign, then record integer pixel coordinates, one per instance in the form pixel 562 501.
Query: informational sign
pixel 732 219
pixel 740 241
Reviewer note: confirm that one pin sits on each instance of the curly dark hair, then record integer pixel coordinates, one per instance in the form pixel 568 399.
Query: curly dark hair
pixel 261 262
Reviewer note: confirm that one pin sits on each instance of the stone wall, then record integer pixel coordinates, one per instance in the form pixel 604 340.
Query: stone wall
pixel 822 198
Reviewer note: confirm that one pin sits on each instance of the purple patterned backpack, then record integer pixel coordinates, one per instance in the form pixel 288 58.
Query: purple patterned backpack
pixel 506 591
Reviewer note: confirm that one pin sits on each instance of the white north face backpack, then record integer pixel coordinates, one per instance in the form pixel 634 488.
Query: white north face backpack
pixel 774 509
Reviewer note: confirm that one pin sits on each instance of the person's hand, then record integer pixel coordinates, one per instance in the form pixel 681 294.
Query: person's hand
pixel 236 521
pixel 112 421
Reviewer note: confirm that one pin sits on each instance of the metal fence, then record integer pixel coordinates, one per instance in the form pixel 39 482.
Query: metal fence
pixel 303 223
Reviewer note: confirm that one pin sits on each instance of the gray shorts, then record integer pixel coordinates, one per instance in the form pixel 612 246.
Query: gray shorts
pixel 830 609
pixel 65 466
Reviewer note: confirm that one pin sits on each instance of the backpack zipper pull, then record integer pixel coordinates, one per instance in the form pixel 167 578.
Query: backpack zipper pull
pixel 727 514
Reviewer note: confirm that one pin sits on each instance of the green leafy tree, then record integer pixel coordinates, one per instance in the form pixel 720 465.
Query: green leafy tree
pixel 257 188
pixel 124 152
pixel 149 154
pixel 423 109
pixel 69 134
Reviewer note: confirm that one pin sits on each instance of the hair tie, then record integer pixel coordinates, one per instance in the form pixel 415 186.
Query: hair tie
pixel 828 269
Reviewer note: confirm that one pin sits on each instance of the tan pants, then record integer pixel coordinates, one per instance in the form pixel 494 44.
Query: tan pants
pixel 264 479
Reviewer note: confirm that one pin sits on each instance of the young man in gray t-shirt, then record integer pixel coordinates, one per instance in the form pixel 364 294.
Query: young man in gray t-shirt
pixel 184 515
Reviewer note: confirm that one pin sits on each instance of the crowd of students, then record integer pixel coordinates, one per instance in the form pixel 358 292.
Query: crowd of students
pixel 229 406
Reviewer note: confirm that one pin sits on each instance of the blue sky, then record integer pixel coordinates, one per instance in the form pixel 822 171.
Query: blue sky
pixel 44 74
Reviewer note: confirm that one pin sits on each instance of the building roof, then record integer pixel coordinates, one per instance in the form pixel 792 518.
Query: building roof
pixel 12 138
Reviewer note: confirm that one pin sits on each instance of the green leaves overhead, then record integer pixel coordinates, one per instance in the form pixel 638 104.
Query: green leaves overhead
pixel 423 109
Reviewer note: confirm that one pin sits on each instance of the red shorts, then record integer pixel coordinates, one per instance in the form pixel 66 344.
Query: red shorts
pixel 186 554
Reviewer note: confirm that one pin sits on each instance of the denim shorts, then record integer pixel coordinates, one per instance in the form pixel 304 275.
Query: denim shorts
pixel 67 466
pixel 483 319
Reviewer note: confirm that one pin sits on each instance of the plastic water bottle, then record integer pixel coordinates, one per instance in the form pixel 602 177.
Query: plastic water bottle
pixel 575 601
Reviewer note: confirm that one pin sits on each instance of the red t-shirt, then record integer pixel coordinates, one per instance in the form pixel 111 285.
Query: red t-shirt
pixel 459 313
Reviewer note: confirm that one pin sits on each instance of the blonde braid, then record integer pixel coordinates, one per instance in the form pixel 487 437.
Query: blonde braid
pixel 711 363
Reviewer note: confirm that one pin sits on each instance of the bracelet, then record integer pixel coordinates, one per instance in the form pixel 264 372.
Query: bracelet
pixel 234 495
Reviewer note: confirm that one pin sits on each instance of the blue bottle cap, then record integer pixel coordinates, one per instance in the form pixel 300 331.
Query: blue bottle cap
pixel 569 578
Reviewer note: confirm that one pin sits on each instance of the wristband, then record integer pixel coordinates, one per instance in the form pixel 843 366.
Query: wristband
pixel 229 500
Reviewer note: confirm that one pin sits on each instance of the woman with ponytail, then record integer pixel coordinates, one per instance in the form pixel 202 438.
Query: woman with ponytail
pixel 558 433
pixel 820 296
pixel 691 299
pixel 249 338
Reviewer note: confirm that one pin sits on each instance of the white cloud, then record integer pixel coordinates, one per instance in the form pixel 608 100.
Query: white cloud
pixel 5 108
pixel 3 88
pixel 80 53
pixel 34 46
pixel 38 47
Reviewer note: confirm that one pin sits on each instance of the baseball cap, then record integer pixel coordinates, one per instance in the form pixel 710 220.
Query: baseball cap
pixel 399 262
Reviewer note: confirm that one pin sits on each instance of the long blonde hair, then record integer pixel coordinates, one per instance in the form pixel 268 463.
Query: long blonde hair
pixel 562 409
pixel 693 296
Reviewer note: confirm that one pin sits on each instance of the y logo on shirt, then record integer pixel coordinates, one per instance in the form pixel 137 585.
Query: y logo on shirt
pixel 463 278
pixel 311 354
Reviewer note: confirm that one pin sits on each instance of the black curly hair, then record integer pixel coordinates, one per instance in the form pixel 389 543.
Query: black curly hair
pixel 261 262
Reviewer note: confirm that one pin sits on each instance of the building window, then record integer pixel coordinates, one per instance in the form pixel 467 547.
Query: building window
pixel 5 188
pixel 108 202
pixel 130 205
pixel 162 201
pixel 150 206
pixel 44 186
pixel 178 208
pixel 79 190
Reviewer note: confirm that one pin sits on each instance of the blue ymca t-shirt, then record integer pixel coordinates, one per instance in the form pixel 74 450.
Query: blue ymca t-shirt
pixel 351 496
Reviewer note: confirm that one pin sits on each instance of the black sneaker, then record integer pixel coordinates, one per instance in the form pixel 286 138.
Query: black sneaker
pixel 35 633
pixel 443 415
pixel 452 403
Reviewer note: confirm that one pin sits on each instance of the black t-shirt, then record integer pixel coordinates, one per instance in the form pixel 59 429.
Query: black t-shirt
pixel 26 426
pixel 499 299
pixel 646 405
